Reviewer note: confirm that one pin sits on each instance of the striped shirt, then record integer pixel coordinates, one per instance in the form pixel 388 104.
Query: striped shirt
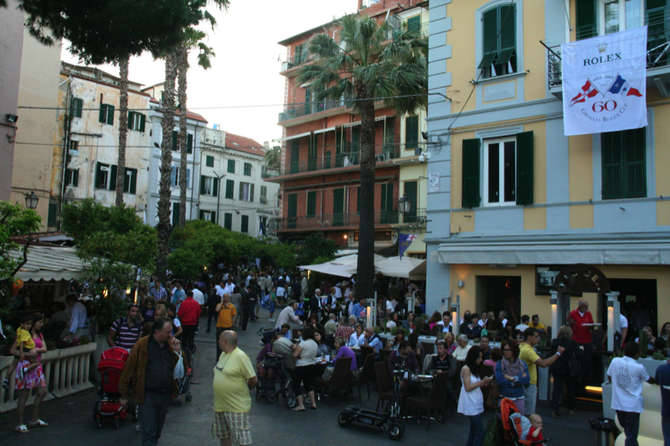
pixel 126 336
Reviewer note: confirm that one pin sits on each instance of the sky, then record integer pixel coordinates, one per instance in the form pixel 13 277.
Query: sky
pixel 245 69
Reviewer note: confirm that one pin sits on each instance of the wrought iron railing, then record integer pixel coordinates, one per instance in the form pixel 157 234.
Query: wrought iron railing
pixel 330 158
pixel 330 221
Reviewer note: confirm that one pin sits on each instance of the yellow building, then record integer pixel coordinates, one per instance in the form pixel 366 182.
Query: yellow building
pixel 515 200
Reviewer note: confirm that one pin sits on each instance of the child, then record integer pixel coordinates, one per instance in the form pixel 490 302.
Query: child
pixel 535 431
pixel 24 344
pixel 529 428
pixel 182 368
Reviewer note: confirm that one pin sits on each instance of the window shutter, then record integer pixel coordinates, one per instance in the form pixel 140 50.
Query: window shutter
pixel 189 143
pixel 230 189
pixel 414 24
pixel 112 177
pixel 311 203
pixel 240 194
pixel 101 113
pixel 586 19
pixel 228 221
pixel 133 181
pixel 508 27
pixel 202 185
pixel 490 19
pixel 130 121
pixel 356 139
pixel 470 181
pixel 251 193
pixel 174 140
pixel 633 152
pixel 96 180
pixel 110 114
pixel 295 157
pixel 143 119
pixel 76 107
pixel 213 216
pixel 52 216
pixel 215 187
pixel 411 132
pixel 308 100
pixel 75 177
pixel 524 168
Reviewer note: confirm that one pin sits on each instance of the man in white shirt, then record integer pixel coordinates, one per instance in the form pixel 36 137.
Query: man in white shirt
pixel 524 323
pixel 338 291
pixel 502 316
pixel 620 331
pixel 78 316
pixel 229 288
pixel 446 324
pixel 198 296
pixel 219 288
pixel 627 377
pixel 287 316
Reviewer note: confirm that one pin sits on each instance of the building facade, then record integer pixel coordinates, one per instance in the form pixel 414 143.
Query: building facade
pixel 513 201
pixel 319 177
pixel 233 192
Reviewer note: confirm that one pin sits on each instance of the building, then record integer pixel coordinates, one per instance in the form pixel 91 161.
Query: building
pixel 513 201
pixel 38 91
pixel 89 127
pixel 11 45
pixel 233 193
pixel 319 176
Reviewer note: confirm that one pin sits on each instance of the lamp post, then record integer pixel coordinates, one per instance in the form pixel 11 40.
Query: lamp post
pixel 31 200
pixel 554 313
pixel 612 316
pixel 456 314
pixel 218 195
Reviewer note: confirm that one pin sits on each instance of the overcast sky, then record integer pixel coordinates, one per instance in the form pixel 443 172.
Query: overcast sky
pixel 245 70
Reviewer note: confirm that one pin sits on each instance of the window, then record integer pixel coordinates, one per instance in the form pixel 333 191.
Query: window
pixel 499 55
pixel 264 194
pixel 338 207
pixel 506 169
pixel 130 181
pixel 189 141
pixel 72 177
pixel 175 175
pixel 228 221
pixel 295 157
pixel 247 169
pixel 388 215
pixel 230 189
pixel 101 175
pixel 231 166
pixel 414 24
pixel 76 107
pixel 136 121
pixel 246 192
pixel 209 186
pixel 300 54
pixel 52 215
pixel 106 115
pixel 623 164
pixel 175 214
pixel 311 203
pixel 599 17
pixel 411 132
pixel 209 161
pixel 73 148
pixel 208 216
pixel 292 211
pixel 245 224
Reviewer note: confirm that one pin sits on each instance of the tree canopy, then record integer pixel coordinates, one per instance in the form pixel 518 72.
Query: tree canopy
pixel 15 220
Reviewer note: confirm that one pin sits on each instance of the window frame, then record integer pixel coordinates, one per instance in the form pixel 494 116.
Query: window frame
pixel 247 168
pixel 624 170
pixel 484 191
pixel 230 190
pixel 71 177
pixel 244 224
pixel 106 114
pixel 208 159
pixel 480 29
pixel 230 168
pixel 264 194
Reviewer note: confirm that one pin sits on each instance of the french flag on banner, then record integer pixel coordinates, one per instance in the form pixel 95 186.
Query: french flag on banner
pixel 621 86
pixel 588 91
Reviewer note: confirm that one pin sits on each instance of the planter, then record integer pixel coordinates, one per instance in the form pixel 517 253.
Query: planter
pixel 66 371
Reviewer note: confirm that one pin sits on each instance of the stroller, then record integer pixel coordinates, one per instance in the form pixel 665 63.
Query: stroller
pixel 109 405
pixel 513 426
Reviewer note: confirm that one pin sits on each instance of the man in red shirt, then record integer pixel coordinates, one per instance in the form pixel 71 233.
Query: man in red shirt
pixel 189 314
pixel 581 334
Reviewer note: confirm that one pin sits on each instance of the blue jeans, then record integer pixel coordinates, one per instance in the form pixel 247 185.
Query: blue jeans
pixel 476 435
pixel 630 421
pixel 666 431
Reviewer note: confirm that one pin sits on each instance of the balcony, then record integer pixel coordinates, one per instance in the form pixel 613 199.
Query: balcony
pixel 415 219
pixel 658 62
pixel 267 172
pixel 334 222
pixel 300 110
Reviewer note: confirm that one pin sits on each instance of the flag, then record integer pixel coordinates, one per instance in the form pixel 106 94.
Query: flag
pixel 588 91
pixel 621 86
pixel 404 240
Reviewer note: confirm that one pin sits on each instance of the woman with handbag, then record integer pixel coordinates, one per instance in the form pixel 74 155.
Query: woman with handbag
pixel 566 370
pixel 512 374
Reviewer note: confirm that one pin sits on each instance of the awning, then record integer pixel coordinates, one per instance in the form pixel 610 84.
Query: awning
pixel 345 266
pixel 329 129
pixel 49 263
pixel 299 135
pixel 403 268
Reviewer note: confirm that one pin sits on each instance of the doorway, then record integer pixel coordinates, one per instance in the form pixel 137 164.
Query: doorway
pixel 495 293
pixel 639 302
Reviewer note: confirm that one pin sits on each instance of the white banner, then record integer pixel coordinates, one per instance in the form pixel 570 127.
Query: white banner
pixel 605 83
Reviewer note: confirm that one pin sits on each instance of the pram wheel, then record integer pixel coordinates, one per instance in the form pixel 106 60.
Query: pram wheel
pixel 395 430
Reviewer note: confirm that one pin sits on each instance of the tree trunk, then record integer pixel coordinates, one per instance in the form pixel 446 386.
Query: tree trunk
pixel 168 108
pixel 182 70
pixel 366 240
pixel 123 129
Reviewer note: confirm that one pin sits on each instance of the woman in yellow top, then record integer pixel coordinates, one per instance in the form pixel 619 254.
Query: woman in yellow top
pixel 224 321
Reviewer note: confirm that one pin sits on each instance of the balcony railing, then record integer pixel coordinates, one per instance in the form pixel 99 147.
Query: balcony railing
pixel 267 172
pixel 330 159
pixel 334 221
pixel 658 53
pixel 298 110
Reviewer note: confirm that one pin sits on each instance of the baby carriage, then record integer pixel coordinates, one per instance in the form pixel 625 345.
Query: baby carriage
pixel 109 405
pixel 514 426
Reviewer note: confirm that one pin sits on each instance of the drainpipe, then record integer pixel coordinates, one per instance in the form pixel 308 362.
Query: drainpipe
pixel 67 129
pixel 193 182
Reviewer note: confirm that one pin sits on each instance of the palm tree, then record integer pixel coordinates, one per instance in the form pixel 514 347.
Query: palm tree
pixel 123 128
pixel 182 70
pixel 165 192
pixel 372 61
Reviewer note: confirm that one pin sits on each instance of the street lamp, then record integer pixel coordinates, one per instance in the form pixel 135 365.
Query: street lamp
pixel 404 205
pixel 31 200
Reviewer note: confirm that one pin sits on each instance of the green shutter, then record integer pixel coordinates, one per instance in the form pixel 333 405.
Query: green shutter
pixel 213 216
pixel 101 113
pixel 76 107
pixel 112 177
pixel 292 210
pixel 308 101
pixel 387 213
pixel 175 214
pixel 130 121
pixel 311 154
pixel 490 19
pixel 470 181
pixel 634 149
pixel 75 177
pixel 245 224
pixel 247 169
pixel 524 168
pixel 228 221
pixel 52 216
pixel 311 203
pixel 411 132
pixel 96 180
pixel 414 24
pixel 209 161
pixel 295 156
pixel 175 135
pixel 411 188
pixel 133 181
pixel 202 185
pixel 143 119
pixel 338 207
pixel 110 114
pixel 586 19
pixel 189 143
pixel 230 189
pixel 507 25
pixel 231 166
pixel 251 193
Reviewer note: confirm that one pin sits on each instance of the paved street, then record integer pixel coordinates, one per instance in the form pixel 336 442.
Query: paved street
pixel 71 420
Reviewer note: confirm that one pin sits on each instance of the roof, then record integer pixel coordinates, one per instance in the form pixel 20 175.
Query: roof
pixel 243 144
pixel 308 32
pixel 49 263
pixel 189 114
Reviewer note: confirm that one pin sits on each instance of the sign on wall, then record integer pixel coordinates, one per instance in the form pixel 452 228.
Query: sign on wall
pixel 604 83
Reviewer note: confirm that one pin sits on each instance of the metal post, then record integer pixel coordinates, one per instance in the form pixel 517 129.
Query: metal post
pixel 554 313
pixel 456 314
pixel 612 317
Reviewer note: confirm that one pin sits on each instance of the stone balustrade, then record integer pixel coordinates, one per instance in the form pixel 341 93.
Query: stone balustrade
pixel 66 370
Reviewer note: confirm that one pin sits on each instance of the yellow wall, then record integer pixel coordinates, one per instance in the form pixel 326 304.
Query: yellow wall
pixel 534 53
pixel 534 304
pixel 662 152
pixel 416 172
pixel 580 165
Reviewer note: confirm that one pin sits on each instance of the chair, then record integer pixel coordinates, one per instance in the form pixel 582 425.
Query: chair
pixel 342 379
pixel 367 374
pixel 434 403
pixel 384 385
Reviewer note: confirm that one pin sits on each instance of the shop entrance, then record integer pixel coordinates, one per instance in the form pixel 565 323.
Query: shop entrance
pixel 638 299
pixel 495 293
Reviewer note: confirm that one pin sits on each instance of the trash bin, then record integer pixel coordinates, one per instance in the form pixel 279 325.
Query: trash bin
pixel 606 430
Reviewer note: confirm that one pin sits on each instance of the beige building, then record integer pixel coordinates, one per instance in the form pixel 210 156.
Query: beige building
pixel 38 87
